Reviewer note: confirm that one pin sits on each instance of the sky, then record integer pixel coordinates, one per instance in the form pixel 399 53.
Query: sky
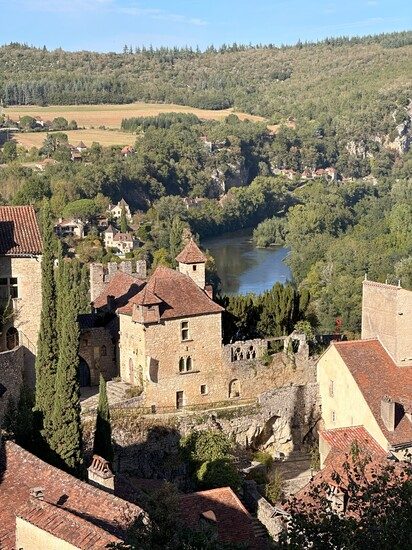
pixel 106 25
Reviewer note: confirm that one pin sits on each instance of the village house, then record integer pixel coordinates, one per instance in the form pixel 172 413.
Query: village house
pixel 123 243
pixel 42 507
pixel 20 276
pixel 115 210
pixel 128 151
pixel 367 383
pixel 69 228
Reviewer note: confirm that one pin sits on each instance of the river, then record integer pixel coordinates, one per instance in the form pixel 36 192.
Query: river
pixel 244 268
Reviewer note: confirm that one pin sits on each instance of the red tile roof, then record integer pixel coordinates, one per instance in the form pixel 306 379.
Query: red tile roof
pixel 65 526
pixel 179 294
pixel 191 254
pixel 233 521
pixel 20 471
pixel 377 376
pixel 341 439
pixel 19 231
pixel 122 287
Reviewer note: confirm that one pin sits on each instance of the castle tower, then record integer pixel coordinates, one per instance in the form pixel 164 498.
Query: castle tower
pixel 192 262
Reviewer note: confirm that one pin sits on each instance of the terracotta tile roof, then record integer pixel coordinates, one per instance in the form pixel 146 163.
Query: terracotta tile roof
pixel 233 521
pixel 341 439
pixel 122 287
pixel 377 376
pixel 145 298
pixel 180 295
pixel 191 254
pixel 20 471
pixel 124 237
pixel 65 526
pixel 19 231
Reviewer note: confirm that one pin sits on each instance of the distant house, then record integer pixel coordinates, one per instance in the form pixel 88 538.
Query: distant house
pixel 42 165
pixel 115 210
pixel 195 202
pixel 69 228
pixel 128 151
pixel 81 147
pixel 123 242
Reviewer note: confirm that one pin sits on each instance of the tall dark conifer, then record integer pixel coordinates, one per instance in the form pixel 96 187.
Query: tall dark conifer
pixel 103 434
pixel 66 441
pixel 46 358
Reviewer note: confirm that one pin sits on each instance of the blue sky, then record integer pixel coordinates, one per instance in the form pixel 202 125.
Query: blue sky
pixel 106 25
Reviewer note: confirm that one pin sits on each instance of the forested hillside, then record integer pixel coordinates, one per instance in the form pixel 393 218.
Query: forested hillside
pixel 358 81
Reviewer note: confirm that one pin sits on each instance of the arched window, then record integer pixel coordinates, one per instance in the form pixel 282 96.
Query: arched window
pixel 189 364
pixel 182 366
pixel 234 388
pixel 103 351
pixel 12 338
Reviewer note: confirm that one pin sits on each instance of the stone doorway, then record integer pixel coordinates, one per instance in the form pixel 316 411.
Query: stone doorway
pixel 180 397
pixel 84 373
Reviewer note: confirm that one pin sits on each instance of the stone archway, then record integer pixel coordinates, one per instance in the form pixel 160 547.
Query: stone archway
pixel 84 373
pixel 12 338
pixel 234 388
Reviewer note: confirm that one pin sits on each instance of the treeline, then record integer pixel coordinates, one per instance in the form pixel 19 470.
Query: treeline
pixel 163 120
pixel 352 79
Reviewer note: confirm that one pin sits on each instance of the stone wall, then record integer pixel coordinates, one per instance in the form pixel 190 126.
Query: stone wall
pixel 101 275
pixel 270 516
pixel 98 350
pixel 247 350
pixel 11 376
pixel 27 306
pixel 148 445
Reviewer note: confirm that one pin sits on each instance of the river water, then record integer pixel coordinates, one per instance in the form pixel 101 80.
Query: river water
pixel 244 268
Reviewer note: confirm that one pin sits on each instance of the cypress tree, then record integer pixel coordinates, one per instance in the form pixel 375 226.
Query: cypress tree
pixel 66 441
pixel 103 434
pixel 46 358
pixel 123 220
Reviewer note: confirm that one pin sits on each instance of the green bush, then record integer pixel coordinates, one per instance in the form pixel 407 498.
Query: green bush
pixel 264 458
pixel 218 473
pixel 274 489
pixel 206 446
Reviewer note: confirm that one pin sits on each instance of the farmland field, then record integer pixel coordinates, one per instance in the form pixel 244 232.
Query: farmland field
pixel 104 137
pixel 111 115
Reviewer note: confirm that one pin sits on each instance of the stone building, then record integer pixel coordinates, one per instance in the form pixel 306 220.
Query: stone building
pixel 42 507
pixel 368 382
pixel 171 336
pixel 115 210
pixel 69 228
pixel 20 277
pixel 110 288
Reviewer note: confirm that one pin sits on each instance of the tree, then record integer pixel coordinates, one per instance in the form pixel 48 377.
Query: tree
pixel 9 151
pixel 60 123
pixel 81 208
pixel 46 358
pixel 377 507
pixel 66 440
pixel 103 435
pixel 123 220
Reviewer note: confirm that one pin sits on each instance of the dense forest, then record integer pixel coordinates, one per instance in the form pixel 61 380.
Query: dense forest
pixel 358 80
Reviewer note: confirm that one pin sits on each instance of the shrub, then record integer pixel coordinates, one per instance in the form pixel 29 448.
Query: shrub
pixel 218 473
pixel 263 457
pixel 274 489
pixel 205 446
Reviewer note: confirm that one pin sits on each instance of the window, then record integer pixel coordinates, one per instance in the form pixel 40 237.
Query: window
pixel 333 416
pixel 9 288
pixel 185 364
pixel 180 400
pixel 103 351
pixel 331 388
pixel 185 330
pixel 203 389
pixel 234 388
pixel 194 267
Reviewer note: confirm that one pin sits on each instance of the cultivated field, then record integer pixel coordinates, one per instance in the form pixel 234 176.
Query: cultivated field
pixel 104 137
pixel 111 115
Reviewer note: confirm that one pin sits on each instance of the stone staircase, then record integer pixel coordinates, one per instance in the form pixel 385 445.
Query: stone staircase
pixel 116 393
pixel 296 471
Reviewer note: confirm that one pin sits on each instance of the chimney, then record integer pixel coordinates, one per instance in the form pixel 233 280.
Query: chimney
pixel 100 474
pixel 96 280
pixel 126 267
pixel 388 413
pixel 37 492
pixel 111 269
pixel 141 271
